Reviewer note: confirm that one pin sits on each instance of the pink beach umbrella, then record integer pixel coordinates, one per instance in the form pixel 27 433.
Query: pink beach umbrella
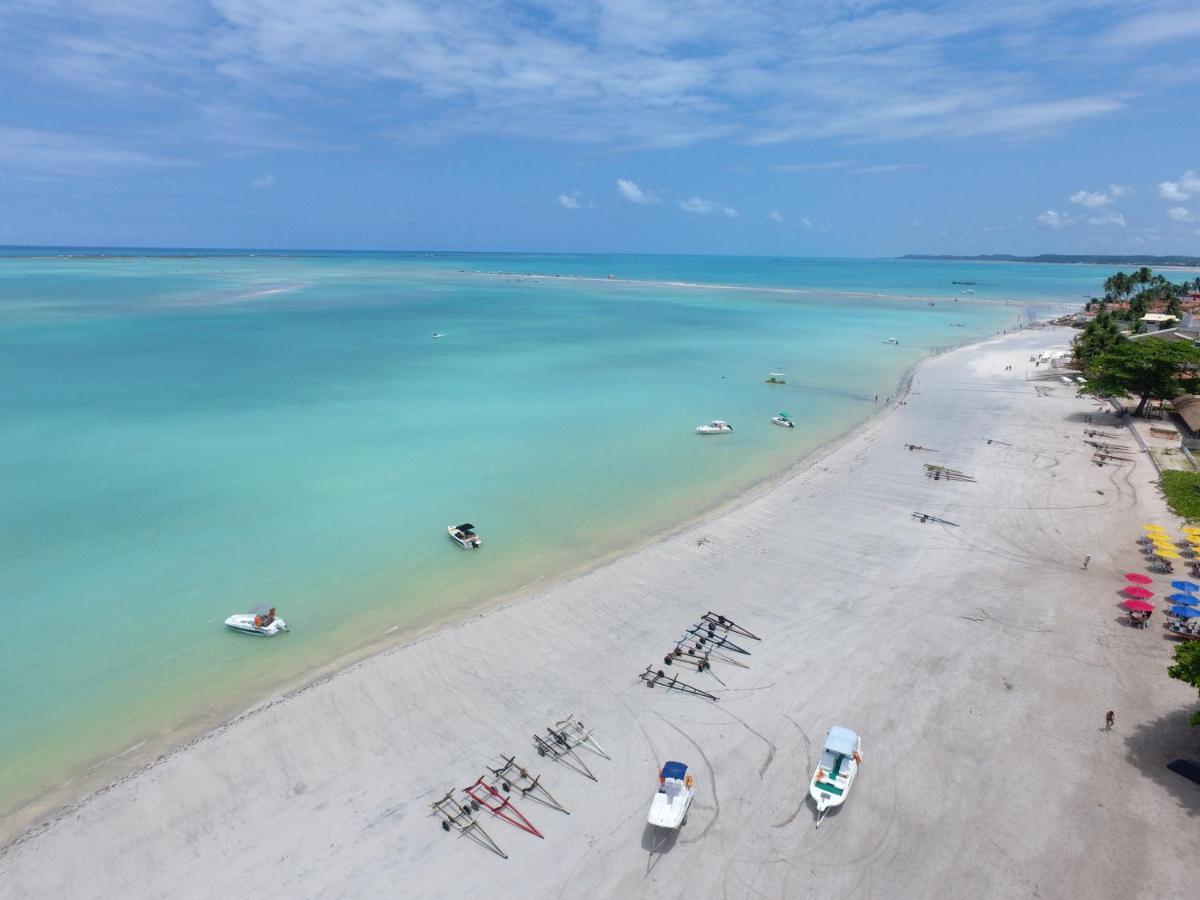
pixel 1139 606
pixel 1139 593
pixel 1138 578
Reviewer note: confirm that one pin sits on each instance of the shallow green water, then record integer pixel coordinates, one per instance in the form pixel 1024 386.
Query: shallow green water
pixel 187 438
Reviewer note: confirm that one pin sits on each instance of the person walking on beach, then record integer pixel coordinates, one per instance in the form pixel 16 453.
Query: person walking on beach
pixel 1087 559
pixel 1110 719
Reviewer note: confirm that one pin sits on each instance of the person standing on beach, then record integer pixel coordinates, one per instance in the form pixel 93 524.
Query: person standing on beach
pixel 1087 559
pixel 1110 719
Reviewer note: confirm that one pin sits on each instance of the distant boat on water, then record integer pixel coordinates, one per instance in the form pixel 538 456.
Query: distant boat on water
pixel 716 426
pixel 891 340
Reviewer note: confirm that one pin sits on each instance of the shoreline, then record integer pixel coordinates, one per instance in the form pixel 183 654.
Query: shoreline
pixel 148 750
pixel 342 772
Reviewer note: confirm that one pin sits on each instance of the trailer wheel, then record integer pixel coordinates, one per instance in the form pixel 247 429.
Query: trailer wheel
pixel 445 826
pixel 504 784
pixel 541 751
pixel 474 804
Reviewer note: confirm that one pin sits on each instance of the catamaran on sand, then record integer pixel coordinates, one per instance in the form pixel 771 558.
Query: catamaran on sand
pixel 836 770
pixel 464 535
pixel 676 788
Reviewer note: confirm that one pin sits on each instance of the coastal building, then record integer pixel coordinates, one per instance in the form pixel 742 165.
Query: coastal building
pixel 1158 320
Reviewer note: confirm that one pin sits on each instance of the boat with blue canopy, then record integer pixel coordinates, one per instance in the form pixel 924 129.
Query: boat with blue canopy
pixel 836 769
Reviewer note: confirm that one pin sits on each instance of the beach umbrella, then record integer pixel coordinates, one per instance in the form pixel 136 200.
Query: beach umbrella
pixel 1185 612
pixel 1139 593
pixel 1139 606
pixel 1188 586
pixel 1138 578
pixel 1167 554
pixel 1184 599
pixel 1154 528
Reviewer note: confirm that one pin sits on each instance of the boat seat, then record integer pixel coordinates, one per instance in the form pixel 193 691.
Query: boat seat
pixel 832 789
pixel 838 767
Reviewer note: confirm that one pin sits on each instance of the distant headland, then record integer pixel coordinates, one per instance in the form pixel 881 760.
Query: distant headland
pixel 1132 260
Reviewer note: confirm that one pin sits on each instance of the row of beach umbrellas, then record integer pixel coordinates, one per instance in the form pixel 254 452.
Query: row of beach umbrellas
pixel 1185 600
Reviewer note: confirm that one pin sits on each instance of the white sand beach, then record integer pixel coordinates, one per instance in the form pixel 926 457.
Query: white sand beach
pixel 977 662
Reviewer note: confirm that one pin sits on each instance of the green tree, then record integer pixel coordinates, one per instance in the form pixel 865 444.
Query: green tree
pixel 1118 287
pixel 1187 669
pixel 1139 306
pixel 1142 276
pixel 1146 368
pixel 1175 306
pixel 1101 335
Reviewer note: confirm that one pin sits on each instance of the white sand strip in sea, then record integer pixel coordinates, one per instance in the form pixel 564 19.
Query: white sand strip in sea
pixel 976 661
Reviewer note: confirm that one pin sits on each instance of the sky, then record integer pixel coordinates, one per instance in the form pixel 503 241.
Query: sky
pixel 811 128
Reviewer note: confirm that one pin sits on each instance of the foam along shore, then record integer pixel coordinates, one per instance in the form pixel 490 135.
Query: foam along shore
pixel 977 661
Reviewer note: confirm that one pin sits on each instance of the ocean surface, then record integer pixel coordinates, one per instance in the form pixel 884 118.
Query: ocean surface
pixel 190 435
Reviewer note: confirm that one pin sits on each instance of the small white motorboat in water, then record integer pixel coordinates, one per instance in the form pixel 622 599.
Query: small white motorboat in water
pixel 716 426
pixel 783 420
pixel 464 535
pixel 257 623
pixel 836 770
pixel 891 341
pixel 676 788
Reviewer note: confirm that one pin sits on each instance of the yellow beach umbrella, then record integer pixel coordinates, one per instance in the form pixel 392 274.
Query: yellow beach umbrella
pixel 1154 528
pixel 1168 554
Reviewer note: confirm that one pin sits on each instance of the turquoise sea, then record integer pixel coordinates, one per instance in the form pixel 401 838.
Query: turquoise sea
pixel 189 435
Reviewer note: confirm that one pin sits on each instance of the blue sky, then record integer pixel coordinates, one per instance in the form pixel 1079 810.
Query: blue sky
pixel 835 127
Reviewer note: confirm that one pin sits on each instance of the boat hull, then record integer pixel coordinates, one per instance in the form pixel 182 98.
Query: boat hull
pixel 467 544
pixel 783 423
pixel 670 812
pixel 244 622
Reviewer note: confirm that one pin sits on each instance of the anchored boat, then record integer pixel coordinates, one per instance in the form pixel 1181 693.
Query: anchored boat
pixel 716 426
pixel 265 625
pixel 835 772
pixel 464 535
pixel 676 788
pixel 783 420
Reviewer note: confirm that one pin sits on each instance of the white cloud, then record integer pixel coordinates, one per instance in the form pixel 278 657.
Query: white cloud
pixel 570 201
pixel 1180 213
pixel 655 73
pixel 1112 218
pixel 1170 190
pixel 634 194
pixel 887 167
pixel 1054 221
pixel 266 180
pixel 775 216
pixel 730 211
pixel 1096 199
pixel 60 153
pixel 698 205
pixel 814 224
pixel 1178 191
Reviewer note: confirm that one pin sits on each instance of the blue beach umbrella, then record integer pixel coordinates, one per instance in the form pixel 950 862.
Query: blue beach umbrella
pixel 1185 586
pixel 1184 599
pixel 1185 612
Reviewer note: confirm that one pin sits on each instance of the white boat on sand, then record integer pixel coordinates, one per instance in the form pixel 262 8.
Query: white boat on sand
pixel 716 426
pixel 464 535
pixel 676 788
pixel 836 770
pixel 265 625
